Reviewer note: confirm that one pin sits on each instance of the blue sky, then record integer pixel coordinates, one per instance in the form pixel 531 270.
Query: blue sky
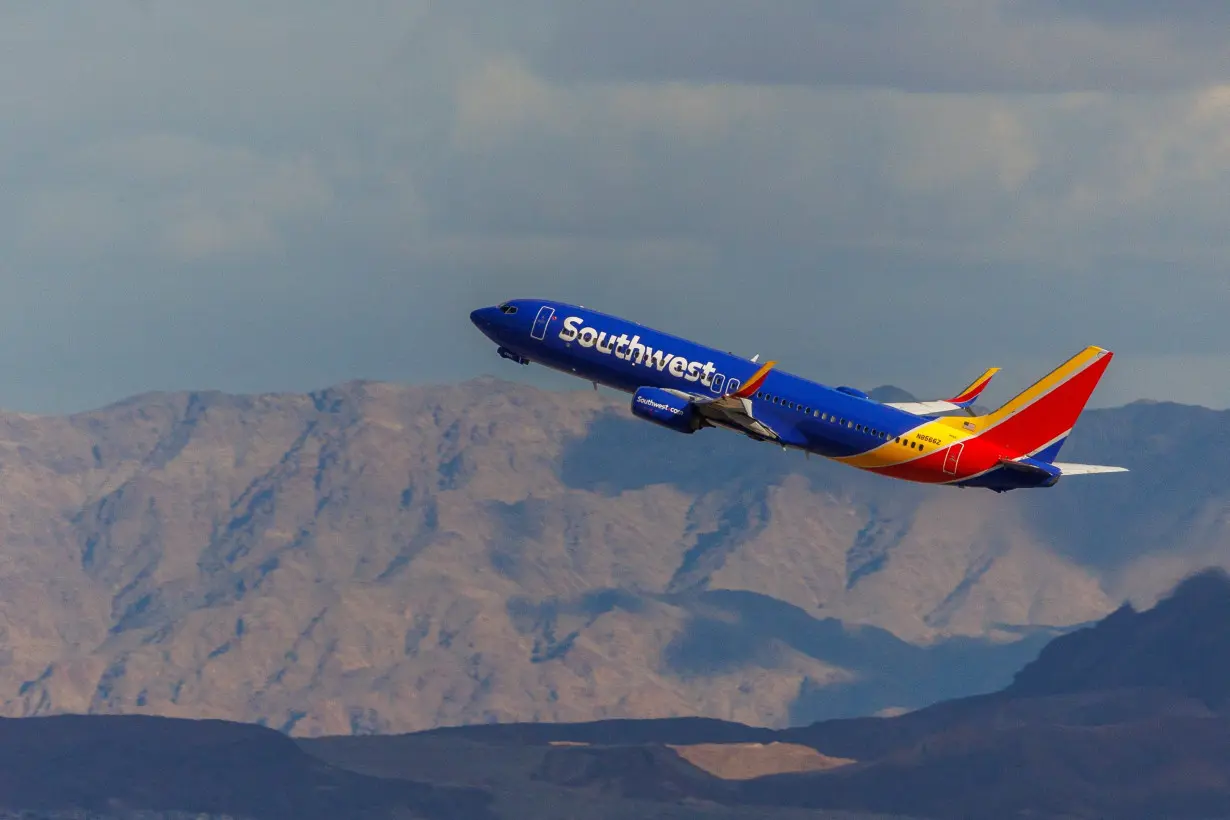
pixel 286 195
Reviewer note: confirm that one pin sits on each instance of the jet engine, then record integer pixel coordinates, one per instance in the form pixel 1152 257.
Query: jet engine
pixel 505 353
pixel 666 409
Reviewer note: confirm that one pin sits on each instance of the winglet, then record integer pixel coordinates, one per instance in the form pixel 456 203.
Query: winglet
pixel 753 384
pixel 970 394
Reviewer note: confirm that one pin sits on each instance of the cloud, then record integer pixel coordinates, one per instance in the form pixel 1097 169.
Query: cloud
pixel 1174 15
pixel 861 189
pixel 182 197
pixel 945 45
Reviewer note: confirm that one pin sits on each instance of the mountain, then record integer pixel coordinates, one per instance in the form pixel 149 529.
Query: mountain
pixel 110 764
pixel 1087 730
pixel 126 767
pixel 1172 647
pixel 383 558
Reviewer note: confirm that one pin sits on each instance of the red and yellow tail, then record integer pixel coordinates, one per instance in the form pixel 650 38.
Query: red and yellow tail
pixel 1037 421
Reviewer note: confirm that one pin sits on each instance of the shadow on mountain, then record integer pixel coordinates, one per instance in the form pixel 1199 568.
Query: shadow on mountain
pixel 621 453
pixel 727 631
pixel 730 629
pixel 1177 455
pixel 1127 718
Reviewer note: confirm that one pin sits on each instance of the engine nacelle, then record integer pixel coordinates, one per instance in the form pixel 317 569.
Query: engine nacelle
pixel 505 353
pixel 666 409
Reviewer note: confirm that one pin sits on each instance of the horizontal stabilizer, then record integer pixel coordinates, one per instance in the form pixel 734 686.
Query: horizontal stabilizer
pixel 1086 469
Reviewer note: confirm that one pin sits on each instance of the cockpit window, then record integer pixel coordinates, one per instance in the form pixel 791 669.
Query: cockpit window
pixel 507 308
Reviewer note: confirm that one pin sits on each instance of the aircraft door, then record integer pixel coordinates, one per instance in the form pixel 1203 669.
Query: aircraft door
pixel 954 456
pixel 716 385
pixel 540 322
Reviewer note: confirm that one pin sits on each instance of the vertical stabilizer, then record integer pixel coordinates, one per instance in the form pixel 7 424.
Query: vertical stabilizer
pixel 1037 421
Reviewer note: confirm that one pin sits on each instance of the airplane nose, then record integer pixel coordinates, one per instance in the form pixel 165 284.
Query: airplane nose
pixel 482 317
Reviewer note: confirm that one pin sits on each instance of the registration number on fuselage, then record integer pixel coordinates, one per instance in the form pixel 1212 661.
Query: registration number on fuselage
pixel 928 439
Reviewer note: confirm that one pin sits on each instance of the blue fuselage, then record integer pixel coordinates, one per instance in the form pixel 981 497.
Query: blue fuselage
pixel 624 355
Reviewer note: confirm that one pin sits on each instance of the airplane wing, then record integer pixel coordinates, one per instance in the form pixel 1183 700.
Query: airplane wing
pixel 962 401
pixel 735 409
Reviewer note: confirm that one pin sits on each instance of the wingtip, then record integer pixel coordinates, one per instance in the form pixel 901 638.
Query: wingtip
pixel 967 396
pixel 753 384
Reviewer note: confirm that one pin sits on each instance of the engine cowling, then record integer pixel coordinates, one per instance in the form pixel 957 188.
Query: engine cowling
pixel 666 409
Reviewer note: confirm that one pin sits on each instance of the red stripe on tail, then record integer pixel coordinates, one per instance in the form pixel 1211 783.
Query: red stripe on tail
pixel 1049 416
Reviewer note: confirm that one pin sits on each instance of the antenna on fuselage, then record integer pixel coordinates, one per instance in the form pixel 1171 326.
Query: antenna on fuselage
pixel 757 356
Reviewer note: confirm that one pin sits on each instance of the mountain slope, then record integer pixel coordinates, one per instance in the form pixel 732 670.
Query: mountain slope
pixel 1128 718
pixel 127 763
pixel 382 558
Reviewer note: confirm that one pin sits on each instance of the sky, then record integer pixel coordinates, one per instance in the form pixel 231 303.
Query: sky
pixel 287 195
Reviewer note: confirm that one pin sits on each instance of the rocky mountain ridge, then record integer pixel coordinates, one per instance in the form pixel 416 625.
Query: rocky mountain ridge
pixel 375 557
pixel 1127 718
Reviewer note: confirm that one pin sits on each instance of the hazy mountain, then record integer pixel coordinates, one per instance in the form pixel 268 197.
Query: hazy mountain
pixel 1124 719
pixel 111 764
pixel 383 558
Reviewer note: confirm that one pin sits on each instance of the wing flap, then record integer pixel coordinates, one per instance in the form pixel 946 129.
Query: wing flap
pixel 736 411
pixel 733 409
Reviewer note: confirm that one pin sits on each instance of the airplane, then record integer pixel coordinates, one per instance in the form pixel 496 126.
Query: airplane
pixel 685 386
